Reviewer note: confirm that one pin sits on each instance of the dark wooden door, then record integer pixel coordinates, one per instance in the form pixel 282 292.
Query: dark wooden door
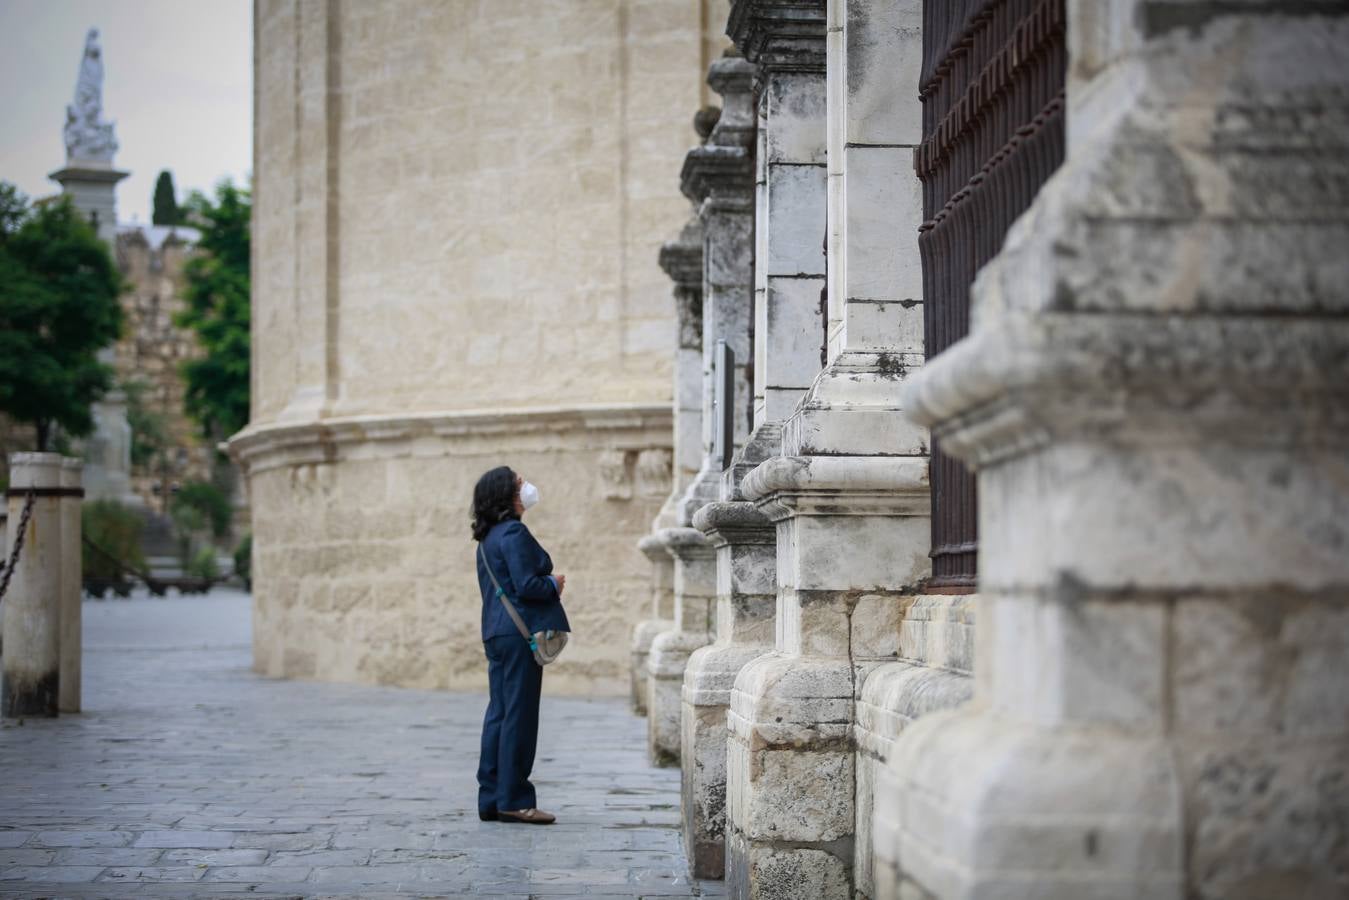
pixel 992 87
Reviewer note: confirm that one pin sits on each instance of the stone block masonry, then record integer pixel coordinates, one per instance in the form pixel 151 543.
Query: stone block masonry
pixel 1158 421
pixel 456 207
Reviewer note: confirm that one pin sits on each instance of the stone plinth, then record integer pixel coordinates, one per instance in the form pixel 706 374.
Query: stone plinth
pixel 744 542
pixel 1158 414
pixel 851 534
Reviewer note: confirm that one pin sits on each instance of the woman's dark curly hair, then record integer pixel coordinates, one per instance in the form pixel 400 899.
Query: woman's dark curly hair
pixel 493 500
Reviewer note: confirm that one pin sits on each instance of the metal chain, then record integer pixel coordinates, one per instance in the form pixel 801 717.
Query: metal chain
pixel 18 542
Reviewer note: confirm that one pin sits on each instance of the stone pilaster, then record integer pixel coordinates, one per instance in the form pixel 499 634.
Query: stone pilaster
pixel 718 178
pixel 1154 395
pixel 682 260
pixel 848 496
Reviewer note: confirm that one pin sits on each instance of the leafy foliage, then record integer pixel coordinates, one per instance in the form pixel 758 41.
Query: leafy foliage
pixel 166 211
pixel 218 311
pixel 115 529
pixel 58 308
pixel 149 428
pixel 202 506
pixel 203 564
pixel 243 560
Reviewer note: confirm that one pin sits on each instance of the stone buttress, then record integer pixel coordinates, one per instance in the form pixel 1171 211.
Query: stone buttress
pixel 742 539
pixel 1155 396
pixel 848 496
pixel 718 178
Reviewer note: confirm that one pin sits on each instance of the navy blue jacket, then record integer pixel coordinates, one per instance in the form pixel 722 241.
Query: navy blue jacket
pixel 522 567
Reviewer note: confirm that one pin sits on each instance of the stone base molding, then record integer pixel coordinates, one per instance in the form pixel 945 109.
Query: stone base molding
pixel 1155 396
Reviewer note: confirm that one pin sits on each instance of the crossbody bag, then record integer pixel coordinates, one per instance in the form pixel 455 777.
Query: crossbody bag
pixel 546 645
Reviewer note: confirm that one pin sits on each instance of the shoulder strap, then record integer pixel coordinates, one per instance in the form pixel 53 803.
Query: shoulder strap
pixel 501 595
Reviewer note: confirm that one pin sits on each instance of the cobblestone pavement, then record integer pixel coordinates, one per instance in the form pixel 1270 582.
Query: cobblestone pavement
pixel 188 775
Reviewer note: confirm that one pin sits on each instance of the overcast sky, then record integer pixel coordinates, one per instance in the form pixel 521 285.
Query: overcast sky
pixel 177 81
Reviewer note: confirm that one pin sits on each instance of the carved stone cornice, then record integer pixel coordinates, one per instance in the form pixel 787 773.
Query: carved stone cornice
pixel 682 258
pixel 687 544
pixel 723 167
pixel 630 426
pixel 732 77
pixel 780 35
pixel 1037 379
pixel 734 522
pixel 787 486
pixel 720 173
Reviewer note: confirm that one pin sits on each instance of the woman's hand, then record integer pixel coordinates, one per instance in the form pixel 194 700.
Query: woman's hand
pixel 561 583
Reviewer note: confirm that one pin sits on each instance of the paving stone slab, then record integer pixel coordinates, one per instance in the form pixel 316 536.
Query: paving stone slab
pixel 158 874
pixel 198 856
pixel 187 765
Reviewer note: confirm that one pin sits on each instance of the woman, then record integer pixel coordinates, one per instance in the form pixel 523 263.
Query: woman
pixel 510 729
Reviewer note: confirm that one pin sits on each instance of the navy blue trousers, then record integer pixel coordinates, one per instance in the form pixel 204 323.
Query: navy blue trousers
pixel 510 729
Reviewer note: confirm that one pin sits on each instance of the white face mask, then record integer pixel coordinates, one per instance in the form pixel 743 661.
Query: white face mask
pixel 529 495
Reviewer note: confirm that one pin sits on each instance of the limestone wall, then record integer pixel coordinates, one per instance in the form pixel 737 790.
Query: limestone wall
pixel 152 350
pixel 456 210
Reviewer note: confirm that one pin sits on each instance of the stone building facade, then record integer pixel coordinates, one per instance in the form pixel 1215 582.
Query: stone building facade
pixel 455 209
pixel 1032 582
pixel 991 542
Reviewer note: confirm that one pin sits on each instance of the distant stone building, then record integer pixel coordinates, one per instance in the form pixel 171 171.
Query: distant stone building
pixel 153 349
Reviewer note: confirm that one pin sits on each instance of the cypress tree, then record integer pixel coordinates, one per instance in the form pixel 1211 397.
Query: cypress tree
pixel 166 211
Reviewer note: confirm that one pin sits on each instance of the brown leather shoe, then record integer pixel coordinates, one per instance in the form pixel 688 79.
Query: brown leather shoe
pixel 528 816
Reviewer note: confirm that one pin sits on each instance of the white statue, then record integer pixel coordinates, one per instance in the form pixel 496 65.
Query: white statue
pixel 88 137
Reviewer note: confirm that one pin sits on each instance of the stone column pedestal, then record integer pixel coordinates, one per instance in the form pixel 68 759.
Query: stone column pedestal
pixel 32 607
pixel 695 621
pixel 72 633
pixel 746 600
pixel 849 531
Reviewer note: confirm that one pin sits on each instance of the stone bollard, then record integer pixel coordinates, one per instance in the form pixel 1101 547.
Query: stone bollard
pixel 72 638
pixel 32 607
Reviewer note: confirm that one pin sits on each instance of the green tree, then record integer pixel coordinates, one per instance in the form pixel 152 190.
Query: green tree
pixel 217 310
pixel 58 308
pixel 166 211
pixel 149 428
